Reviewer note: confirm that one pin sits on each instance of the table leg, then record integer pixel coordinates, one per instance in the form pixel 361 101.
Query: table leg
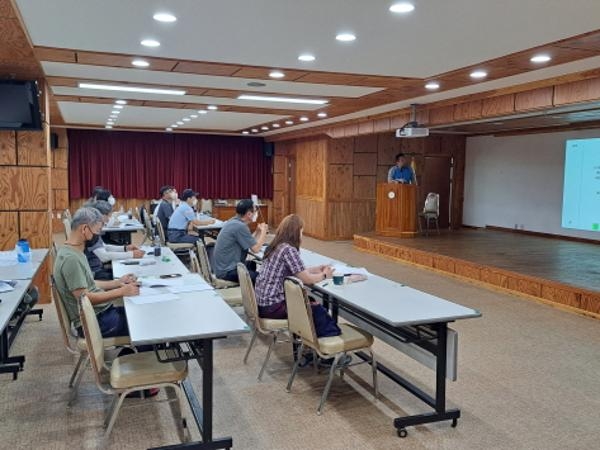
pixel 9 364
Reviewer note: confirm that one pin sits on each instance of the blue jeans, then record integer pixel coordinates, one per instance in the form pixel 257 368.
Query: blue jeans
pixel 181 237
pixel 113 322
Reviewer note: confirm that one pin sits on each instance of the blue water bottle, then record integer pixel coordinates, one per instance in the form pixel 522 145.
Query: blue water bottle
pixel 23 251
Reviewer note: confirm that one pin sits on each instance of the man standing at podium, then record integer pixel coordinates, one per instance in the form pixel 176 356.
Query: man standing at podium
pixel 401 172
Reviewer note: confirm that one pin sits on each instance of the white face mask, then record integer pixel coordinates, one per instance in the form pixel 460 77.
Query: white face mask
pixel 111 201
pixel 254 216
pixel 195 202
pixel 173 195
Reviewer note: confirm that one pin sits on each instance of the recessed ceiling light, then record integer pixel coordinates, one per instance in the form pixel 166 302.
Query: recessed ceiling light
pixel 276 74
pixel 140 63
pixel 264 98
pixel 245 132
pixel 289 122
pixel 186 119
pixel 113 116
pixel 108 126
pixel 264 127
pixel 179 122
pixel 194 116
pixel 110 122
pixel 164 17
pixel 402 7
pixel 174 125
pixel 345 37
pixel 432 85
pixel 303 119
pixel 540 59
pixel 254 130
pixel 121 102
pixel 275 125
pixel 168 129
pixel 306 57
pixel 202 111
pixel 118 106
pixel 322 115
pixel 114 87
pixel 150 43
pixel 116 111
pixel 477 74
pixel 212 107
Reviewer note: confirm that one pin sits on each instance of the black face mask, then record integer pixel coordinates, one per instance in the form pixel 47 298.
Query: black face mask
pixel 93 241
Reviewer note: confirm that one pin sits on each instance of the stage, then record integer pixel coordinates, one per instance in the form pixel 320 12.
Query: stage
pixel 554 270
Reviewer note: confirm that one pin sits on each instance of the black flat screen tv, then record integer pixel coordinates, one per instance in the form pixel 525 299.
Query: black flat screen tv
pixel 19 105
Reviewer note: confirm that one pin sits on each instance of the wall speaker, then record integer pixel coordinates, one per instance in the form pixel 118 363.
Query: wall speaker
pixel 53 141
pixel 268 149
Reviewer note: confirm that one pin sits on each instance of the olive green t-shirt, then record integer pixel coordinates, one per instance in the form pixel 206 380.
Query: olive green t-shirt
pixel 72 272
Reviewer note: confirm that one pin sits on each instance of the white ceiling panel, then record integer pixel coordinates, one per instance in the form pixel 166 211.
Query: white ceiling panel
pixel 439 36
pixel 142 116
pixel 57 69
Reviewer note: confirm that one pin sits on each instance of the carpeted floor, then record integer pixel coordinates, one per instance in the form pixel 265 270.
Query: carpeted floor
pixel 528 379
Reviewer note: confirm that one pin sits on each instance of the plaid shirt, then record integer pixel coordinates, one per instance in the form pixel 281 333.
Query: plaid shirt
pixel 283 262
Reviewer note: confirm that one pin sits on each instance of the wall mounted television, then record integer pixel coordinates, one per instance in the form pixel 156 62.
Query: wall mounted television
pixel 19 105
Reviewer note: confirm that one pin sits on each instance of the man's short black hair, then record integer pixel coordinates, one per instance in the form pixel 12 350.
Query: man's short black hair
pixel 188 193
pixel 244 206
pixel 165 189
pixel 96 191
pixel 103 195
pixel 399 155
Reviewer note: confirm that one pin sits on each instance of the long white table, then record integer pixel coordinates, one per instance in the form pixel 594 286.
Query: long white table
pixel 120 233
pixel 22 273
pixel 410 320
pixel 182 328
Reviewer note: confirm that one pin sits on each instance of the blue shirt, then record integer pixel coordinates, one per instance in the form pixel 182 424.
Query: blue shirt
pixel 401 173
pixel 181 216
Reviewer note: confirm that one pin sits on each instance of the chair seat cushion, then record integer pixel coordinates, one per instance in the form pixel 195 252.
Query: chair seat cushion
pixel 179 245
pixel 218 283
pixel 273 324
pixel 118 341
pixel 232 296
pixel 352 338
pixel 143 369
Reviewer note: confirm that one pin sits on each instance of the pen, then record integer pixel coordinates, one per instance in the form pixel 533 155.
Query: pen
pixel 324 284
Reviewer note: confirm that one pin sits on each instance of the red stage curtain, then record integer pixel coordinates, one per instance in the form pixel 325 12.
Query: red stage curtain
pixel 136 164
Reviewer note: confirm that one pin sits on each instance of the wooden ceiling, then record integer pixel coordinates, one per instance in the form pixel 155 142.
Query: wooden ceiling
pixel 19 59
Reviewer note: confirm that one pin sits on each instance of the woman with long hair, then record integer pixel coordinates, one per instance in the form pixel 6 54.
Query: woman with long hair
pixel 281 260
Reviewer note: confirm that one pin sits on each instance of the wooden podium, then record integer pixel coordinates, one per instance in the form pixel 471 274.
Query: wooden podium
pixel 396 213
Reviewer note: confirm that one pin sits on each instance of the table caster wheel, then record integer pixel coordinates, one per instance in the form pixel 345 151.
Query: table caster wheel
pixel 454 423
pixel 402 432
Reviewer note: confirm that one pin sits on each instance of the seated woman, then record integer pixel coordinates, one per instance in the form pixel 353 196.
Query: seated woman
pixel 281 260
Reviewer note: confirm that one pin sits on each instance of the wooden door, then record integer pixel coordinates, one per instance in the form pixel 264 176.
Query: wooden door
pixel 291 185
pixel 437 177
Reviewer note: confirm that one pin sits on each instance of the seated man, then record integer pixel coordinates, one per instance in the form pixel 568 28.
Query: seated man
pixel 74 278
pixel 234 241
pixel 98 253
pixel 401 172
pixel 184 219
pixel 165 207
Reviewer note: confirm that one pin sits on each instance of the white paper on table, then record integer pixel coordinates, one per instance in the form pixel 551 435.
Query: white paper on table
pixel 347 270
pixel 145 299
pixel 5 287
pixel 147 291
pixel 162 282
pixel 197 287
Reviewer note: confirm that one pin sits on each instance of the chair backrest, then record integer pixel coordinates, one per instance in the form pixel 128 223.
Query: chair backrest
pixel 161 233
pixel 63 317
pixel 206 206
pixel 53 250
pixel 300 320
pixel 67 214
pixel 432 203
pixel 93 336
pixel 195 265
pixel 136 214
pixel 248 296
pixel 67 225
pixel 205 269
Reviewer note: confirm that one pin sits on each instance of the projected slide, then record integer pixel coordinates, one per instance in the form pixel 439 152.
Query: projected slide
pixel 581 191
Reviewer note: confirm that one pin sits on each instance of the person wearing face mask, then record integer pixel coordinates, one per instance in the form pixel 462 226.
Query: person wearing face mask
pixel 98 253
pixel 235 240
pixel 73 278
pixel 164 209
pixel 184 218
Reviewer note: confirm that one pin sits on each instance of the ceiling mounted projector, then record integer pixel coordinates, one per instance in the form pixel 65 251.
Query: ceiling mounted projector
pixel 412 129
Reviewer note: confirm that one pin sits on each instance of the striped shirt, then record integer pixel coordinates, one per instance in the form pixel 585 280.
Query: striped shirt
pixel 283 262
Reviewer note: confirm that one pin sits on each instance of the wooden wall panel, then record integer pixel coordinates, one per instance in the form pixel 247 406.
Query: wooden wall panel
pixel 382 173
pixel 341 151
pixel 366 127
pixel 339 182
pixel 8 148
pixel 535 99
pixel 61 199
pixel 311 159
pixel 497 106
pixel 60 179
pixel 468 111
pixel 313 213
pixel 441 115
pixel 279 164
pixel 9 233
pixel 23 188
pixel 577 91
pixel 31 149
pixel 365 164
pixel 42 280
pixel 279 181
pixel 60 158
pixel 346 218
pixel 35 226
pixel 387 148
pixel 365 187
pixel 381 125
pixel 366 144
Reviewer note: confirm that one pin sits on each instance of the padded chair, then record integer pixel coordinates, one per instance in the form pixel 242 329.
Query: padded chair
pixel 206 206
pixel 272 328
pixel 148 228
pixel 67 226
pixel 207 272
pixel 76 345
pixel 231 295
pixel 431 211
pixel 178 248
pixel 300 323
pixel 128 373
